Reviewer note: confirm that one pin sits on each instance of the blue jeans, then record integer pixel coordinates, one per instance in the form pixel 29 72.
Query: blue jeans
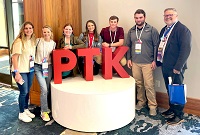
pixel 24 90
pixel 44 85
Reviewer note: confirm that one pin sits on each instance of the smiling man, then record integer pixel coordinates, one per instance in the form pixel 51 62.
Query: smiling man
pixel 113 36
pixel 142 41
pixel 173 52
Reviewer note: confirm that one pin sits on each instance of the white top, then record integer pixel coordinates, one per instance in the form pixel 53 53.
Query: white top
pixel 25 53
pixel 44 49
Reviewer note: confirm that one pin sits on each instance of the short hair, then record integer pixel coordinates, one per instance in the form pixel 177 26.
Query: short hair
pixel 113 18
pixel 140 11
pixel 173 9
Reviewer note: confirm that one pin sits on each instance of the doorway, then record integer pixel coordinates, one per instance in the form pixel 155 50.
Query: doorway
pixel 11 19
pixel 4 47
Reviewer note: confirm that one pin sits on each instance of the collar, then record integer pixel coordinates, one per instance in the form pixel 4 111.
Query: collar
pixel 172 24
pixel 147 26
pixel 91 34
pixel 112 31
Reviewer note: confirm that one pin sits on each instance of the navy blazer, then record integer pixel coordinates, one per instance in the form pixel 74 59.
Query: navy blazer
pixel 178 47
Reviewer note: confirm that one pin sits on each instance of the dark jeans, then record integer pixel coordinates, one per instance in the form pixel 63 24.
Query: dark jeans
pixel 176 79
pixel 24 90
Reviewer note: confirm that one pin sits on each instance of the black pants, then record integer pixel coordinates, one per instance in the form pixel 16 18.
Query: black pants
pixel 177 79
pixel 96 66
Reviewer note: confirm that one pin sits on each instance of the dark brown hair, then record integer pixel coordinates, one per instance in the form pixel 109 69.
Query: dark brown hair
pixel 140 11
pixel 113 18
pixel 85 34
pixel 68 24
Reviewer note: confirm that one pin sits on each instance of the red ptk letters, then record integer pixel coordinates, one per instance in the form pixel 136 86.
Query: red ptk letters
pixel 109 61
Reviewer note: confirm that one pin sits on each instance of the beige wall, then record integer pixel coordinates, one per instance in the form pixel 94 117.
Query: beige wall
pixel 101 10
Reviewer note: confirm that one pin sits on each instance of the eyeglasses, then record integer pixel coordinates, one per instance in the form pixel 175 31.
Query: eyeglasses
pixel 169 15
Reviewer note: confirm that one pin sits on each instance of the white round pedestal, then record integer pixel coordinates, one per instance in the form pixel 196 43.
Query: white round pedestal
pixel 93 106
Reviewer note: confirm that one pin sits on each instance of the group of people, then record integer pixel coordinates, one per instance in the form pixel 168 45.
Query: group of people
pixel 147 50
pixel 29 56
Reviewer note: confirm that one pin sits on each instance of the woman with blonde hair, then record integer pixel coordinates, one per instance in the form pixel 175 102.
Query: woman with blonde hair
pixel 43 68
pixel 22 55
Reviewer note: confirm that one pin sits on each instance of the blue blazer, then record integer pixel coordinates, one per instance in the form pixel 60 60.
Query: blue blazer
pixel 178 47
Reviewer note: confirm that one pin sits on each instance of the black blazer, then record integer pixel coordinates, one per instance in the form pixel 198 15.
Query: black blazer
pixel 178 47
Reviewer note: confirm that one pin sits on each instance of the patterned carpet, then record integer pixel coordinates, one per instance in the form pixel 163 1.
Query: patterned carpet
pixel 143 124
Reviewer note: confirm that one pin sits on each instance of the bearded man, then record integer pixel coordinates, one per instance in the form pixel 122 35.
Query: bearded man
pixel 143 41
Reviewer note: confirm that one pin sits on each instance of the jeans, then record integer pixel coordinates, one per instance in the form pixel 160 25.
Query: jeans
pixel 44 85
pixel 24 90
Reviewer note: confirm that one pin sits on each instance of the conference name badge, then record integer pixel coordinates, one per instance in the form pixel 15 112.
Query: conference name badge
pixel 138 47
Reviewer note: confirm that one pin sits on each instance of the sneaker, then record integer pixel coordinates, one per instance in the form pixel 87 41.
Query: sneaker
pixel 48 111
pixel 152 112
pixel 29 114
pixel 23 117
pixel 138 107
pixel 45 116
pixel 174 121
pixel 168 114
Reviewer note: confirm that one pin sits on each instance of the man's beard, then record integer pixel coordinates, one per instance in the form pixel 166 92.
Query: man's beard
pixel 142 23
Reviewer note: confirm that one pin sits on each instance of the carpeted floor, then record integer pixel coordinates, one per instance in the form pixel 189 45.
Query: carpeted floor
pixel 143 124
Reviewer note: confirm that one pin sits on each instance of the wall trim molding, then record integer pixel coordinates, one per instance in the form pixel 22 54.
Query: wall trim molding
pixel 192 106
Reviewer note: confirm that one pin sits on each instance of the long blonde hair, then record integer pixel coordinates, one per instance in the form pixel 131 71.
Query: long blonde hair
pixel 22 35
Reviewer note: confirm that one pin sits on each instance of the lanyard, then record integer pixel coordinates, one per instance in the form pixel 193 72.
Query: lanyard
pixel 46 50
pixel 111 37
pixel 138 38
pixel 168 29
pixel 90 41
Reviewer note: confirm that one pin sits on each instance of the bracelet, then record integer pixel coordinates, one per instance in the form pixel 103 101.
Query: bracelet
pixel 15 71
pixel 109 45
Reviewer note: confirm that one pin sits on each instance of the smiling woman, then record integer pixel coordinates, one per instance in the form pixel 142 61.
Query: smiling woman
pixel 43 68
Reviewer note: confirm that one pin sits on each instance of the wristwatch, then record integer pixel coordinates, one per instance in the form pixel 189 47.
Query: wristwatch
pixel 109 45
pixel 15 71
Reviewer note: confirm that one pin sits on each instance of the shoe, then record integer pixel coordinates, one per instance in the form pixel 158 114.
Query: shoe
pixel 28 113
pixel 24 117
pixel 174 121
pixel 153 112
pixel 138 107
pixel 48 111
pixel 45 116
pixel 168 114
